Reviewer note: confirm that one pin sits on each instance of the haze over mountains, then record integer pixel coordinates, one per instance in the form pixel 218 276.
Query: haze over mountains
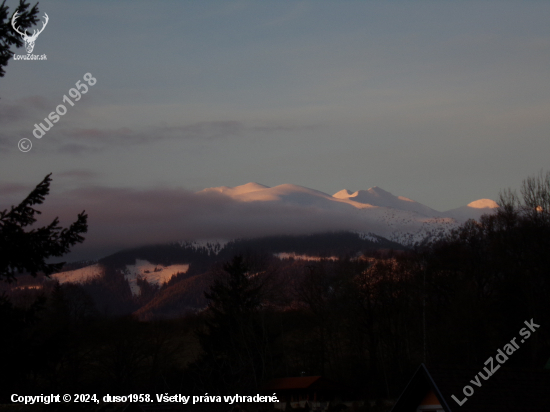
pixel 288 221
pixel 374 210
pixel 121 218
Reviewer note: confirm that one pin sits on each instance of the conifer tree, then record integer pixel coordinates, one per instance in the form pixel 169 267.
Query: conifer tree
pixel 27 251
pixel 234 341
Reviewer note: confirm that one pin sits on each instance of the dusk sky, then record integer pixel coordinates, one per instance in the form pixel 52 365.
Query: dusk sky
pixel 440 102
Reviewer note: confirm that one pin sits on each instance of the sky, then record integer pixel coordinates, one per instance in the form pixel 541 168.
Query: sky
pixel 440 102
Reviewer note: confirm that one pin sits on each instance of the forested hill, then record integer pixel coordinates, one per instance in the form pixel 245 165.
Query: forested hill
pixel 158 281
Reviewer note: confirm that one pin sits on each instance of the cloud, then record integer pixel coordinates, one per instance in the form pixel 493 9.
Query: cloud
pixel 21 115
pixel 17 118
pixel 10 113
pixel 4 140
pixel 22 109
pixel 9 189
pixel 78 174
pixel 123 218
pixel 94 140
pixel 12 194
pixel 71 135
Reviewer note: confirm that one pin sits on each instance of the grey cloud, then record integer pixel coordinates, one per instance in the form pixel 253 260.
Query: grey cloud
pixel 22 109
pixel 94 140
pixel 11 194
pixel 78 174
pixel 122 218
pixel 206 130
pixel 79 149
pixel 10 113
pixel 4 141
pixel 8 189
pixel 82 140
pixel 9 140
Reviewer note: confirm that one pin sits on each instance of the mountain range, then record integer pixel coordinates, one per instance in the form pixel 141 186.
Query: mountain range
pixel 348 223
pixel 375 210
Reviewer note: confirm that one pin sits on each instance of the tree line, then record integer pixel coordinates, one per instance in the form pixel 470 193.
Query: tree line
pixel 365 322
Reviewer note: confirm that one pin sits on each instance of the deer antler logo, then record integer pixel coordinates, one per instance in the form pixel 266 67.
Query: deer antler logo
pixel 29 40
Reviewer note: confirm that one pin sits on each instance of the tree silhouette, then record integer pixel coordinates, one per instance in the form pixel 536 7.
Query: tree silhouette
pixel 490 275
pixel 234 340
pixel 8 37
pixel 27 251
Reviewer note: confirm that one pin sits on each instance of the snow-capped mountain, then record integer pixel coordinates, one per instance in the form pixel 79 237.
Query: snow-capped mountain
pixel 286 193
pixel 375 210
pixel 376 196
pixel 473 210
pixel 289 222
pixel 237 190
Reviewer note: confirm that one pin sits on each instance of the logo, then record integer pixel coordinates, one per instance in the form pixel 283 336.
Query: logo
pixel 29 40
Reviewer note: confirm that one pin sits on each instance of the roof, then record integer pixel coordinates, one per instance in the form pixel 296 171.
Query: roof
pixel 302 382
pixel 416 389
pixel 506 390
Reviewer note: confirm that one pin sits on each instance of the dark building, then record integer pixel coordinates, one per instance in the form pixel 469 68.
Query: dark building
pixel 446 390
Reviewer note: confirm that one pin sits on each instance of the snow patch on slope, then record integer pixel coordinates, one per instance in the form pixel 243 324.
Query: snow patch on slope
pixel 157 274
pixel 285 255
pixel 80 275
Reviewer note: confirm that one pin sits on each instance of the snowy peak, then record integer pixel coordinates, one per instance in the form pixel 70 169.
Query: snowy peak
pixel 374 210
pixel 379 192
pixel 377 196
pixel 289 190
pixel 483 204
pixel 250 187
pixel 473 210
pixel 374 196
pixel 237 190
pixel 370 199
pixel 290 194
pixel 286 193
pixel 342 194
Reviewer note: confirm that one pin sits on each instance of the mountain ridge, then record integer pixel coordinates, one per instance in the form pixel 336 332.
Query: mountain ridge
pixel 375 210
pixel 360 199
